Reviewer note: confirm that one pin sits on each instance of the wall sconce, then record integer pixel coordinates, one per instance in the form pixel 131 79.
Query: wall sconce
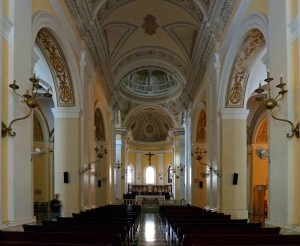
pixel 178 170
pixel 270 103
pixel 160 174
pixel 100 154
pixel 139 175
pixel 118 165
pixel 199 156
pixel 100 151
pixel 211 170
pixel 181 168
pixel 30 101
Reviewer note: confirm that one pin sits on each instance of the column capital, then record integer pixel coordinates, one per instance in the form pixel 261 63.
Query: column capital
pixel 234 114
pixel 63 112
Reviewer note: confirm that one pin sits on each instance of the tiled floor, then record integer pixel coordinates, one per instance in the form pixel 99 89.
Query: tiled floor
pixel 149 232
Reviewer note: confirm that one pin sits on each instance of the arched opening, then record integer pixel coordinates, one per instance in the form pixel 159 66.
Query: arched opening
pixel 150 175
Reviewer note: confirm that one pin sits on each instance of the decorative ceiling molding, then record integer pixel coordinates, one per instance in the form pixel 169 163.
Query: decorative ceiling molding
pixel 108 8
pixel 143 53
pixel 190 7
pixel 150 25
pixel 116 35
pixel 185 35
pixel 149 123
pixel 113 33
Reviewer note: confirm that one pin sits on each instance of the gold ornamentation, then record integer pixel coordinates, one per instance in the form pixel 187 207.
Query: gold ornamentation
pixel 58 66
pixel 244 59
pixel 150 25
pixel 201 133
pixel 37 130
pixel 262 133
pixel 98 121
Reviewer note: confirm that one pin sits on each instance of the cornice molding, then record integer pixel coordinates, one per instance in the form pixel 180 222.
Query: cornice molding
pixel 234 114
pixel 67 113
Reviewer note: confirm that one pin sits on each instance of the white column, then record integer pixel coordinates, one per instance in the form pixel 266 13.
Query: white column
pixel 17 183
pixel 138 171
pixel 188 161
pixel 118 171
pixel 234 160
pixel 161 170
pixel 67 157
pixel 179 158
pixel 283 181
pixel 1 79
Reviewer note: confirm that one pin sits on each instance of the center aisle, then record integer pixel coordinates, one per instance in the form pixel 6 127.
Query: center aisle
pixel 149 232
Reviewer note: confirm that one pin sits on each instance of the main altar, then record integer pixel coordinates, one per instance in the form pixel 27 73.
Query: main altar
pixel 149 191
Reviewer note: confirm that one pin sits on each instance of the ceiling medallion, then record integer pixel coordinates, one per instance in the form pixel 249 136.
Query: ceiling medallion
pixel 150 25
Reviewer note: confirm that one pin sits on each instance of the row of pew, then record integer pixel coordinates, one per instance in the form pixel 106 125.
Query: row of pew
pixel 188 225
pixel 113 225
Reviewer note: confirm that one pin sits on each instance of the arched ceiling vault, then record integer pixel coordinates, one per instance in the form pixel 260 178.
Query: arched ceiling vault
pixel 151 53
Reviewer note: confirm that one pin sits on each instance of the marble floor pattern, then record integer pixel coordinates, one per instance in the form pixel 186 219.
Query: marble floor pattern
pixel 149 232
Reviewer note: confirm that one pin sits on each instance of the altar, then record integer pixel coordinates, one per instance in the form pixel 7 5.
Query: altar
pixel 149 200
pixel 150 197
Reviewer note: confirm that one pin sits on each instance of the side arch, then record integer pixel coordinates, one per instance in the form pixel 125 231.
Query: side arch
pixel 256 21
pixel 45 21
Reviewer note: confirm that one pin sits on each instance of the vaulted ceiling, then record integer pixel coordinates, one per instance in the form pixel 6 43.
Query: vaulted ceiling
pixel 151 55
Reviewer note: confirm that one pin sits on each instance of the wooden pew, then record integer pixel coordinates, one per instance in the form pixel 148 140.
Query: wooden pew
pixel 211 225
pixel 224 230
pixel 241 239
pixel 12 243
pixel 100 229
pixel 113 239
pixel 72 222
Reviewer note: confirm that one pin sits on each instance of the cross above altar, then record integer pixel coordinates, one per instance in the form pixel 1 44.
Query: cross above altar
pixel 150 155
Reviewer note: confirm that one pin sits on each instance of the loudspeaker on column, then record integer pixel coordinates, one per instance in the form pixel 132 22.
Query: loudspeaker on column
pixel 235 178
pixel 66 177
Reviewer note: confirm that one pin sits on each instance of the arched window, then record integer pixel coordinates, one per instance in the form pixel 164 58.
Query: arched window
pixel 150 175
pixel 170 174
pixel 130 173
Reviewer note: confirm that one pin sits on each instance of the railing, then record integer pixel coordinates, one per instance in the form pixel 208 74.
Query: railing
pixel 149 89
pixel 180 202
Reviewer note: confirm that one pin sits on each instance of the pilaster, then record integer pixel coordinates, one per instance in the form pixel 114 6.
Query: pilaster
pixel 234 160
pixel 67 156
pixel 17 179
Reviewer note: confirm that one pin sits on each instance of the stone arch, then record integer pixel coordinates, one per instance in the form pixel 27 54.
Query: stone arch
pixel 55 46
pixel 251 37
pixel 59 68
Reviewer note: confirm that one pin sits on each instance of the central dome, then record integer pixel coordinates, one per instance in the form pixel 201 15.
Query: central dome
pixel 149 83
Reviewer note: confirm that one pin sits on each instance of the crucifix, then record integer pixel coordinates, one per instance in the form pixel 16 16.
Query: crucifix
pixel 150 155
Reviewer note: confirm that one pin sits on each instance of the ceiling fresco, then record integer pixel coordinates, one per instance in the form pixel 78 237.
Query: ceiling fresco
pixel 150 54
